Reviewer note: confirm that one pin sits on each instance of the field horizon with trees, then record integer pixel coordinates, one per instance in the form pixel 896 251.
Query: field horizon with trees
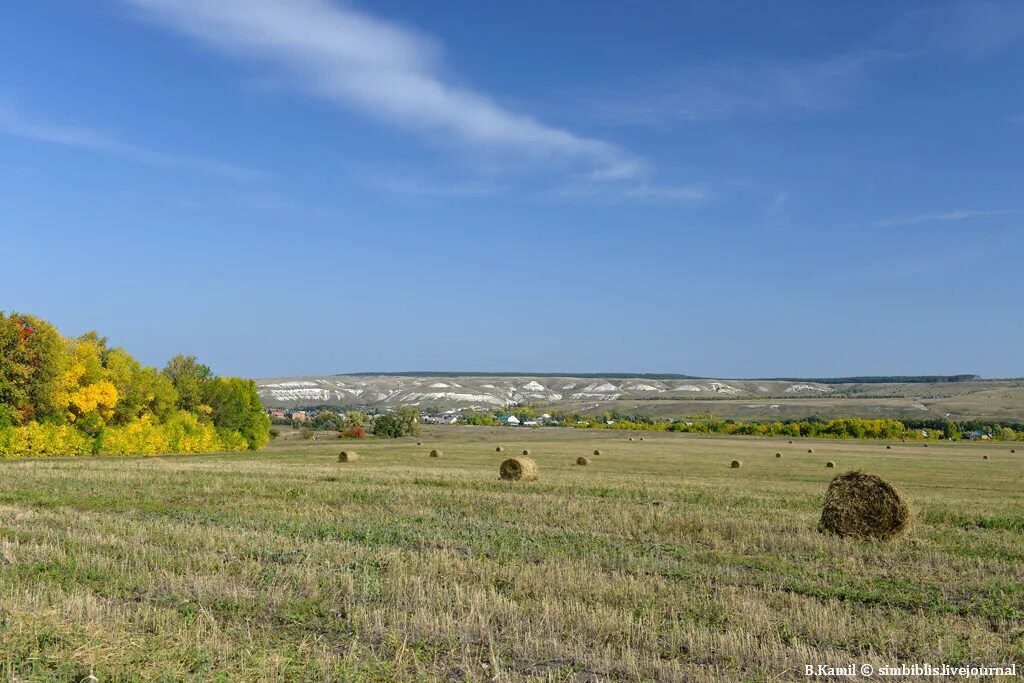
pixel 79 396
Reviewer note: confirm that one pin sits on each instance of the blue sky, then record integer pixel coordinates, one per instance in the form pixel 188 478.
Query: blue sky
pixel 726 189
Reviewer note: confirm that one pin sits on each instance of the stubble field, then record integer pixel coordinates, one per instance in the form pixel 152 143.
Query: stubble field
pixel 657 562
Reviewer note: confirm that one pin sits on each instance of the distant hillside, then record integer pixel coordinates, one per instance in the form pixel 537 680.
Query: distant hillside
pixel 959 396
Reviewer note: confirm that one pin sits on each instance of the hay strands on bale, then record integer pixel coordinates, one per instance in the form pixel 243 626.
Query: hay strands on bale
pixel 519 469
pixel 862 505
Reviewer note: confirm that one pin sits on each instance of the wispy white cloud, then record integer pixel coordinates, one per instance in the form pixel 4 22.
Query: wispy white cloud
pixel 14 123
pixel 740 90
pixel 947 216
pixel 382 69
pixel 641 193
pixel 420 187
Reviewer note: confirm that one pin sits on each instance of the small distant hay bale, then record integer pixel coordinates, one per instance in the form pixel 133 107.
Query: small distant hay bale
pixel 863 505
pixel 597 452
pixel 348 456
pixel 630 438
pixel 778 455
pixel 419 443
pixel 984 457
pixel 791 440
pixel 526 451
pixel 641 438
pixel 436 453
pixel 926 445
pixel 519 469
pixel 735 464
pixel 830 464
pixel 499 449
pixel 582 461
pixel 888 448
pixel 810 450
pixel 1013 450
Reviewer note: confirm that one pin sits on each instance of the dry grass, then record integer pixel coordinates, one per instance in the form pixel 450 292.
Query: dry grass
pixel 282 566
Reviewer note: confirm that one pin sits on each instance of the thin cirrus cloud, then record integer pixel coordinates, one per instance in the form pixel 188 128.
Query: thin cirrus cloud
pixel 16 124
pixel 379 68
pixel 741 90
pixel 945 217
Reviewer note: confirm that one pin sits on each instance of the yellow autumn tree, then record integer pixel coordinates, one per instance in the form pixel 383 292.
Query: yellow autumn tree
pixel 83 387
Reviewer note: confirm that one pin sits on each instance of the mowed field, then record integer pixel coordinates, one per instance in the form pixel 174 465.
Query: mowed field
pixel 657 562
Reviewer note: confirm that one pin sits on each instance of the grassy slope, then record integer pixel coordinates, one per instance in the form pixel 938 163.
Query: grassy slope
pixel 658 562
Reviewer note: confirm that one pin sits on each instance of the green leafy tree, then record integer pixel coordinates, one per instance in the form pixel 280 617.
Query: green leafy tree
pixel 355 418
pixel 327 420
pixel 32 358
pixel 235 406
pixel 402 422
pixel 140 390
pixel 189 378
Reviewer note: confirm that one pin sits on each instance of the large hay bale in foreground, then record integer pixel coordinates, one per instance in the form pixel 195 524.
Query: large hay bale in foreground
pixel 736 464
pixel 519 469
pixel 436 453
pixel 582 461
pixel 347 456
pixel 863 505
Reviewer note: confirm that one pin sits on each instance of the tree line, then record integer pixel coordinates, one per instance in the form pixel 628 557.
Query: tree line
pixel 79 396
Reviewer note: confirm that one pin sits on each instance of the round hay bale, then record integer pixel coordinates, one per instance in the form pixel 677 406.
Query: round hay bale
pixel 888 448
pixel 863 505
pixel 347 456
pixel 984 457
pixel 526 451
pixel 499 449
pixel 735 464
pixel 778 455
pixel 436 453
pixel 519 469
pixel 641 438
pixel 597 452
pixel 630 438
pixel 1013 450
pixel 830 464
pixel 582 461
pixel 926 445
pixel 810 450
pixel 791 440
pixel 419 443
